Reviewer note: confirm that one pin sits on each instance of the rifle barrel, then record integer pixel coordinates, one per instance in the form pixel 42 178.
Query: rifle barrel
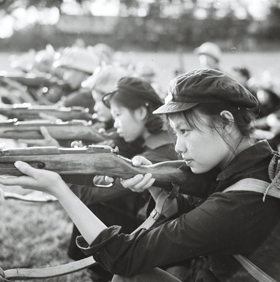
pixel 69 131
pixel 31 112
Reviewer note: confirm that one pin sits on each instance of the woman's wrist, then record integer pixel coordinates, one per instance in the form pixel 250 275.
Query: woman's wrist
pixel 60 190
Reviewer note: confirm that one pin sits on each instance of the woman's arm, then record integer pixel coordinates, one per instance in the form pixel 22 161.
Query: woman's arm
pixel 50 182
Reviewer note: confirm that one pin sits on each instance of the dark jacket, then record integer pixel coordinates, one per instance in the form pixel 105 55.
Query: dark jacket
pixel 220 226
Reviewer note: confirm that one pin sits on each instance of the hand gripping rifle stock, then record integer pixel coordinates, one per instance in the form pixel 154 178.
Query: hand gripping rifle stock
pixel 103 160
pixel 61 131
pixel 26 111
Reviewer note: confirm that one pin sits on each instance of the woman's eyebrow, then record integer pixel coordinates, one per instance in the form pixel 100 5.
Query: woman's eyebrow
pixel 180 124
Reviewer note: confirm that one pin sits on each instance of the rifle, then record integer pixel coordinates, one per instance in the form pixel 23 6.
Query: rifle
pixel 61 131
pixel 32 80
pixel 103 160
pixel 27 111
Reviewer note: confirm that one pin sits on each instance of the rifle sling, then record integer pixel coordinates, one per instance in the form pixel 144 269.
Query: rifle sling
pixel 259 186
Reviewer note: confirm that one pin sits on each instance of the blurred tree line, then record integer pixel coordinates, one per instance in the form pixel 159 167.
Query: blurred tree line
pixel 153 25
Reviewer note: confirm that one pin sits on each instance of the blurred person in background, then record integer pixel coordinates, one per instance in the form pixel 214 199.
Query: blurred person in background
pixel 74 66
pixel 104 52
pixel 44 59
pixel 149 72
pixel 209 55
pixel 269 101
pixel 241 74
pixel 269 114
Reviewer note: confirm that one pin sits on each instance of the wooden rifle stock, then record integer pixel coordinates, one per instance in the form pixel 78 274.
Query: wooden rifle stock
pixel 32 80
pixel 103 160
pixel 27 111
pixel 61 131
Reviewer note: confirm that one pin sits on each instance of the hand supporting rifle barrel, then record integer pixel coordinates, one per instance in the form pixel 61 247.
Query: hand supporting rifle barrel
pixel 101 160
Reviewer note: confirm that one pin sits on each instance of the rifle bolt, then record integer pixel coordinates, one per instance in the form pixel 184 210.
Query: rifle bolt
pixel 40 165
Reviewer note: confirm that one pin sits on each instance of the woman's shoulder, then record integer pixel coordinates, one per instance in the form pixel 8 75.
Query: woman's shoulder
pixel 159 139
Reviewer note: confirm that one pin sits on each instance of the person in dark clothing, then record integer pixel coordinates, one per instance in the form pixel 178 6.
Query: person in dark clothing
pixel 268 116
pixel 238 222
pixel 131 105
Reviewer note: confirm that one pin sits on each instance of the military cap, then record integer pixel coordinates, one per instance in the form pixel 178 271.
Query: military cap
pixel 136 88
pixel 207 86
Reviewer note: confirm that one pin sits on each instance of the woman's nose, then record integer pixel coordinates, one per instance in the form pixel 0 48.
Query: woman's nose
pixel 96 106
pixel 180 146
pixel 116 124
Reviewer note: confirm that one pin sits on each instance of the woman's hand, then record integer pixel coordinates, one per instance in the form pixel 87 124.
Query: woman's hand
pixel 47 141
pixel 36 179
pixel 139 182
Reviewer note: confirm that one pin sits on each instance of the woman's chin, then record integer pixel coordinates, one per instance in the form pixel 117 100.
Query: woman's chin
pixel 197 170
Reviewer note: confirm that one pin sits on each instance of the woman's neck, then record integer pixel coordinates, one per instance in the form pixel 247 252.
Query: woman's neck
pixel 146 134
pixel 237 149
pixel 244 144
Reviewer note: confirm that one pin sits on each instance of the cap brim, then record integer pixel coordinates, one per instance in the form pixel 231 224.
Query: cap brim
pixel 174 107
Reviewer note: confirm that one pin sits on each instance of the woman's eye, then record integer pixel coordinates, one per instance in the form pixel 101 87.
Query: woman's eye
pixel 183 131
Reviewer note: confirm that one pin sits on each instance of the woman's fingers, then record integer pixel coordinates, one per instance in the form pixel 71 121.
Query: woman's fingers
pixel 109 179
pixel 139 182
pixel 26 169
pixel 22 180
pixel 47 141
pixel 15 181
pixel 139 160
pixel 45 132
pixel 30 142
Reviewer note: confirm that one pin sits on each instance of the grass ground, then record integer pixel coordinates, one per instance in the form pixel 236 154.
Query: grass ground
pixel 35 236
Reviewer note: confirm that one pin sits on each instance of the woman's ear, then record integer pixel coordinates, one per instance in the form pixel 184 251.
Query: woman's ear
pixel 141 112
pixel 228 120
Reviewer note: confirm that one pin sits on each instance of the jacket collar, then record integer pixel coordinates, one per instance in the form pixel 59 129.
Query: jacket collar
pixel 246 159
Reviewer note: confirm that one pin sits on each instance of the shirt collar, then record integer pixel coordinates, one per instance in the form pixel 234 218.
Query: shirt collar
pixel 157 140
pixel 246 159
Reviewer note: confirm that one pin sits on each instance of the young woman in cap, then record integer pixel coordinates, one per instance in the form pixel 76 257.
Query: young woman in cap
pixel 131 105
pixel 210 114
